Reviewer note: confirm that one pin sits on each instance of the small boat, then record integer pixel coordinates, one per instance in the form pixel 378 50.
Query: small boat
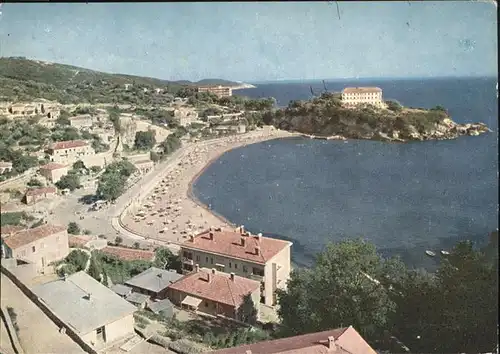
pixel 445 253
pixel 430 253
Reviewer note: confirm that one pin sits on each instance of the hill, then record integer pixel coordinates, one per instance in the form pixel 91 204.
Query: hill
pixel 325 116
pixel 23 79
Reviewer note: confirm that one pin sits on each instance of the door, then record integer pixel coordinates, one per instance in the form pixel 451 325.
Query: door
pixel 101 334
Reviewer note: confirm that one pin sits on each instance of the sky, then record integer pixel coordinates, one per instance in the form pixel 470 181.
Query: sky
pixel 252 41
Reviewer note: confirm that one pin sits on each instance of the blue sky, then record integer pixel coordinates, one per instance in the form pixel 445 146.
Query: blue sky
pixel 258 41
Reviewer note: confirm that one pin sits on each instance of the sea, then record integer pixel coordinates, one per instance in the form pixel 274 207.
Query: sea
pixel 403 198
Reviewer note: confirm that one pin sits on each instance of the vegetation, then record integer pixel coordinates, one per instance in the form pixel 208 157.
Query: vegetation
pixel 16 218
pixel 73 228
pixel 144 140
pixel 170 144
pixel 165 259
pixel 33 182
pixel 112 182
pixel 70 181
pixel 325 116
pixel 458 301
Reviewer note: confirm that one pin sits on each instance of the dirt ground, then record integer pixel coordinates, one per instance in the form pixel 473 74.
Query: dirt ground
pixel 37 333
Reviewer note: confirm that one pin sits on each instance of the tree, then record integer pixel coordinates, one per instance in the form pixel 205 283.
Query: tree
pixel 137 245
pixel 111 186
pixel 73 228
pixel 78 259
pixel 79 165
pixel 170 144
pixel 144 140
pixel 95 169
pixel 247 311
pixel 165 259
pixel 34 183
pixel 394 106
pixel 154 156
pixel 95 267
pixel 338 290
pixel 70 181
pixel 118 240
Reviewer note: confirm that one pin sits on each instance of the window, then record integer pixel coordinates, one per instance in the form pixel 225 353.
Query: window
pixel 211 260
pixel 197 258
pixel 33 249
pixel 236 266
pixel 206 259
pixel 245 269
pixel 206 304
pixel 230 265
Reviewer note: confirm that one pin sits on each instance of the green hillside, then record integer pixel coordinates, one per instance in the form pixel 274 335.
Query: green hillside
pixel 24 79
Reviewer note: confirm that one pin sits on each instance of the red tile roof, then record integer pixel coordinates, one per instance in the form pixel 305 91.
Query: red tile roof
pixel 8 230
pixel 52 166
pixel 219 288
pixel 25 237
pixel 40 191
pixel 68 144
pixel 346 341
pixel 128 254
pixel 79 241
pixel 229 243
pixel 361 89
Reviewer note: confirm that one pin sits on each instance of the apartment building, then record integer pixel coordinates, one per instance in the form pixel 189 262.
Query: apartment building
pixel 352 96
pixel 41 245
pixel 338 341
pixel 81 121
pixel 260 258
pixel 5 167
pixel 214 293
pixel 68 152
pixel 53 172
pixel 220 91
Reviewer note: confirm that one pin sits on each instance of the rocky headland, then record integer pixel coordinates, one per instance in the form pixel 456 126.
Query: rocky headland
pixel 325 117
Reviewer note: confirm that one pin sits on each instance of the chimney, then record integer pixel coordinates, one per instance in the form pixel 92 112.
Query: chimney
pixel 197 268
pixel 191 238
pixel 257 250
pixel 242 229
pixel 211 235
pixel 243 241
pixel 259 237
pixel 232 276
pixel 331 344
pixel 213 271
pixel 88 296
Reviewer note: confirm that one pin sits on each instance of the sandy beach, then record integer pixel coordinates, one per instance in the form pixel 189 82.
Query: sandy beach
pixel 170 212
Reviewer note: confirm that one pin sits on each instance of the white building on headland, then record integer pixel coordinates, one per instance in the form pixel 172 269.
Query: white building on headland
pixel 352 96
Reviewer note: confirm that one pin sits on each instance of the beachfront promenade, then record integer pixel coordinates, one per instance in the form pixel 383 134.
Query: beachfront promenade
pixel 168 214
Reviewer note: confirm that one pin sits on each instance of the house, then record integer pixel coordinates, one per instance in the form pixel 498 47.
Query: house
pixel 144 166
pixel 139 300
pixel 214 293
pixel 164 307
pixel 122 290
pixel 81 121
pixel 253 256
pixel 41 245
pixel 68 152
pixel 34 195
pixel 5 167
pixel 220 91
pixel 97 315
pixel 153 282
pixel 338 341
pixel 352 96
pixel 53 172
pixel 128 254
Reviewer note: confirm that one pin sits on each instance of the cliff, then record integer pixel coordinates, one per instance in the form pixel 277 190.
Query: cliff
pixel 324 117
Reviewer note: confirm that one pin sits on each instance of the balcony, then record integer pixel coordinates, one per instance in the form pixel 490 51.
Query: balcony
pixel 257 277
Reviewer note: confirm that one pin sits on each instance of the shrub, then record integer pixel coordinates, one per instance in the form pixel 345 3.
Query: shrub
pixel 185 346
pixel 73 228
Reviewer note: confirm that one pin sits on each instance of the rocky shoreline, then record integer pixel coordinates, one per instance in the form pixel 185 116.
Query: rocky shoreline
pixel 447 131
